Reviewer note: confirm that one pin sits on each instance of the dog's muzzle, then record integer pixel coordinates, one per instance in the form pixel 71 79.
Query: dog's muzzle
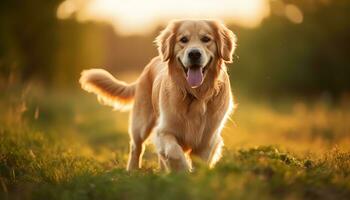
pixel 195 73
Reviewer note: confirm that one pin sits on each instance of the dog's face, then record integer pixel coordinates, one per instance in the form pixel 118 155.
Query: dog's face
pixel 194 45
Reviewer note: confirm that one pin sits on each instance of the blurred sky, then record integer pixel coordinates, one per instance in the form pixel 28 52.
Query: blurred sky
pixel 140 16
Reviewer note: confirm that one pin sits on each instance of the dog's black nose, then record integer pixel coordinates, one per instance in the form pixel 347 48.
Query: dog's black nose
pixel 194 54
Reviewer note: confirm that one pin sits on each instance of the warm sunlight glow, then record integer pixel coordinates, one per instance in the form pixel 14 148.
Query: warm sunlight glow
pixel 139 16
pixel 294 14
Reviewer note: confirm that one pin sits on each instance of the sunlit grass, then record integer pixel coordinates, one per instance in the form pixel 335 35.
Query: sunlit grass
pixel 63 145
pixel 302 127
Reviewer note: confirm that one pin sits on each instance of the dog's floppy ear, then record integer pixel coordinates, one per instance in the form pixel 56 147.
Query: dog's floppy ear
pixel 166 41
pixel 226 41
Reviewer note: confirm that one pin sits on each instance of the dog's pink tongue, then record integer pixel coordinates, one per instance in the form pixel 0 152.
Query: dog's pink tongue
pixel 194 77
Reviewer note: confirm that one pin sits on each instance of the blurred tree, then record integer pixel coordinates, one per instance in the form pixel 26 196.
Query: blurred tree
pixel 28 37
pixel 283 58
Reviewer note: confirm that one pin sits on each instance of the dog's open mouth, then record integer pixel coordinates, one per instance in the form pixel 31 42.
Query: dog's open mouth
pixel 195 73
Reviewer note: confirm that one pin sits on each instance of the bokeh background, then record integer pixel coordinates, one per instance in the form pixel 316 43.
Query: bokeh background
pixel 290 74
pixel 285 48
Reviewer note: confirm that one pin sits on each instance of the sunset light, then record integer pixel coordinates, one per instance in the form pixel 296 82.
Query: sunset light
pixel 136 16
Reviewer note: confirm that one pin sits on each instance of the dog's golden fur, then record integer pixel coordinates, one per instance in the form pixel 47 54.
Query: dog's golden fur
pixel 187 121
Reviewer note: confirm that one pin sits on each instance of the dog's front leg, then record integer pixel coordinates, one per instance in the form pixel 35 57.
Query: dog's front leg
pixel 170 152
pixel 211 152
pixel 161 163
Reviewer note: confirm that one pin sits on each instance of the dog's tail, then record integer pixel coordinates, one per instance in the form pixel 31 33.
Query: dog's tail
pixel 109 90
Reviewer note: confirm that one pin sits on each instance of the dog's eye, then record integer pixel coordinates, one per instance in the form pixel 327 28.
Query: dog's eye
pixel 205 39
pixel 184 39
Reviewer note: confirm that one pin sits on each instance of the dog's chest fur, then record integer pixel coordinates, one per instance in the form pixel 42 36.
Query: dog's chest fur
pixel 194 119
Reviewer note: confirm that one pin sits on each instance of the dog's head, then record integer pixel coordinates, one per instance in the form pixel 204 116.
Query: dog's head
pixel 195 46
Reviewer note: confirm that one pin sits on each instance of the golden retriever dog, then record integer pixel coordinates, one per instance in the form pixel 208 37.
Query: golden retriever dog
pixel 183 95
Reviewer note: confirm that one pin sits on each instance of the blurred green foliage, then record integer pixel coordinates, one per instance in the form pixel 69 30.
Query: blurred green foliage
pixel 282 58
pixel 28 35
pixel 278 58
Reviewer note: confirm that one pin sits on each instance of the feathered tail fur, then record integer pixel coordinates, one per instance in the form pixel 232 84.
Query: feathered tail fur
pixel 108 89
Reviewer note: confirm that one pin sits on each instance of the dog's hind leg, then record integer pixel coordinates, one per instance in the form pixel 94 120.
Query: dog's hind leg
pixel 142 122
pixel 139 132
pixel 138 136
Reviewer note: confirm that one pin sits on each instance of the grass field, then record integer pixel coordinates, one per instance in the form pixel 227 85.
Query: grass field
pixel 63 145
